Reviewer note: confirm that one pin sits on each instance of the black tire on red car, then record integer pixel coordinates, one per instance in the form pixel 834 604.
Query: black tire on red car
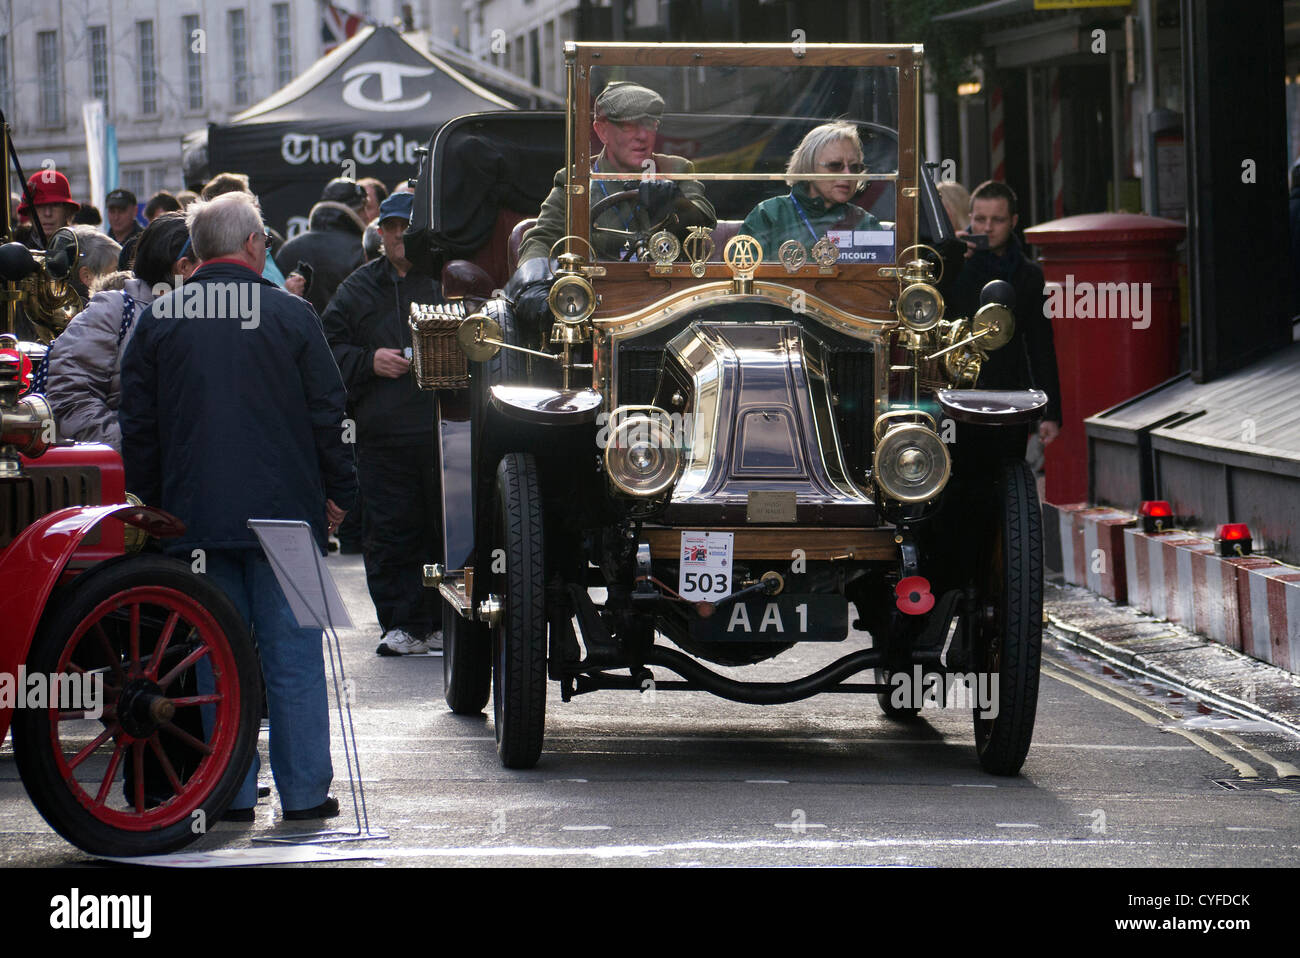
pixel 466 663
pixel 144 777
pixel 519 639
pixel 1009 639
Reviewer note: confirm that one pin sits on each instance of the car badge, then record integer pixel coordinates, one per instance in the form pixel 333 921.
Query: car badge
pixel 742 254
pixel 699 247
pixel 664 247
pixel 793 256
pixel 825 253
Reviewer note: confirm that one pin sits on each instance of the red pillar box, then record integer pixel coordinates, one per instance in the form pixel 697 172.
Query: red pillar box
pixel 1112 284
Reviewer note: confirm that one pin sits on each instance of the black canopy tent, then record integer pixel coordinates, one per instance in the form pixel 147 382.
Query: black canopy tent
pixel 366 109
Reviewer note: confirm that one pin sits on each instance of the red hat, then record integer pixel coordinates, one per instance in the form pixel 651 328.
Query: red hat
pixel 48 186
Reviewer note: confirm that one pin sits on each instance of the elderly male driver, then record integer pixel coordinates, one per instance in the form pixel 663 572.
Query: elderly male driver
pixel 626 120
pixel 237 414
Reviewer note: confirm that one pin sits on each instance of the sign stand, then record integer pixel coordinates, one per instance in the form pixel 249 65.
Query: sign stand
pixel 316 603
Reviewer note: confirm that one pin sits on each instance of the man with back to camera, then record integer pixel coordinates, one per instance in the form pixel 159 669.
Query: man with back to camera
pixel 1029 360
pixel 366 325
pixel 233 415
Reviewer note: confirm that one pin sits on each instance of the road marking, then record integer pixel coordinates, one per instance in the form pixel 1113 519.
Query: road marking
pixel 766 781
pixel 1244 770
pixel 585 828
pixel 968 785
pixel 1284 769
pixel 1248 828
pixel 1016 825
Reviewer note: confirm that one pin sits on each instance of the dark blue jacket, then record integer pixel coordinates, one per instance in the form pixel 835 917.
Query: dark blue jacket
pixel 233 416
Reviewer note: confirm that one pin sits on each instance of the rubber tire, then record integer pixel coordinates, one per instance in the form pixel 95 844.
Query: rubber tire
pixel 466 663
pixel 890 710
pixel 1016 588
pixel 31 727
pixel 519 640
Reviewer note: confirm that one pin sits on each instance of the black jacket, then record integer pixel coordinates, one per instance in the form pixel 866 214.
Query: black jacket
pixel 1029 360
pixel 226 419
pixel 331 247
pixel 370 311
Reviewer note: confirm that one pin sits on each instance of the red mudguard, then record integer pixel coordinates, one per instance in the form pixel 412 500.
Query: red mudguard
pixel 31 565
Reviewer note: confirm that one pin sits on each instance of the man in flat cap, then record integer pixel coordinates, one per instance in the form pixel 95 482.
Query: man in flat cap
pixel 626 120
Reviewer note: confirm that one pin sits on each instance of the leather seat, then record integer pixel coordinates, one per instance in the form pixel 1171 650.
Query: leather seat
pixel 517 237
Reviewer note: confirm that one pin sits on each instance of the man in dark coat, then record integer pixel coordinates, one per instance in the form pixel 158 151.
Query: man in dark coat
pixel 366 325
pixel 232 409
pixel 1029 360
pixel 332 244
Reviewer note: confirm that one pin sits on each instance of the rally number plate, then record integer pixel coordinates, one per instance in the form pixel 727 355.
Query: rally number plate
pixel 705 574
pixel 783 618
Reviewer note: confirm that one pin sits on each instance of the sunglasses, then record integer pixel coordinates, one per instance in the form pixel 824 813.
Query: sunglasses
pixel 267 233
pixel 837 166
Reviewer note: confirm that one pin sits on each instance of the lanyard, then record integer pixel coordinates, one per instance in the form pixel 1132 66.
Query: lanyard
pixel 803 216
pixel 627 223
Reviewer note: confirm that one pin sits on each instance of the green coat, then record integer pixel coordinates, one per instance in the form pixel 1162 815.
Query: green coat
pixel 622 216
pixel 776 220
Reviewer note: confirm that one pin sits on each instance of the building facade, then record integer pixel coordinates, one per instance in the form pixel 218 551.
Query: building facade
pixel 162 68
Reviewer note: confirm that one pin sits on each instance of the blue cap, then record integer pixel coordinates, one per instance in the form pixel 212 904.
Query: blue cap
pixel 399 204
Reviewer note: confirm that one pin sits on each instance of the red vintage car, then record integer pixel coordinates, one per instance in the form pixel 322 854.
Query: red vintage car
pixel 129 682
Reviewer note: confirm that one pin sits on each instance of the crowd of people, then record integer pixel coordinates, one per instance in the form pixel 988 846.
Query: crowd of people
pixel 186 403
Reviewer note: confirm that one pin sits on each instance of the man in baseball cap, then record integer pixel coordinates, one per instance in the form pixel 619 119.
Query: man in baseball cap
pixel 626 120
pixel 366 325
pixel 122 225
pixel 53 202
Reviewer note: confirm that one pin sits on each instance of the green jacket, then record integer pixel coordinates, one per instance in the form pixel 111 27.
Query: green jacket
pixel 776 220
pixel 622 216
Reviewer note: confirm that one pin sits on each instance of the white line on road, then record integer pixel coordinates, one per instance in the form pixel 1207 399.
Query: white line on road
pixel 766 781
pixel 585 828
pixel 1016 825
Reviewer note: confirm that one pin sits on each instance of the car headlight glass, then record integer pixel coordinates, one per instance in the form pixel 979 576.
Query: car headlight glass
pixel 911 463
pixel 572 299
pixel 642 457
pixel 920 307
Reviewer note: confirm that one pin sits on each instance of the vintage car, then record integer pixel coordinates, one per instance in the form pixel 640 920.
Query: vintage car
pixel 129 681
pixel 706 451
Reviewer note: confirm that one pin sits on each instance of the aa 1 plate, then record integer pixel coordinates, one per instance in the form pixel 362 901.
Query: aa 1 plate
pixel 705 560
pixel 784 618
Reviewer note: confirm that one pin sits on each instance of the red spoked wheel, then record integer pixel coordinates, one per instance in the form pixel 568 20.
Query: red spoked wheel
pixel 157 711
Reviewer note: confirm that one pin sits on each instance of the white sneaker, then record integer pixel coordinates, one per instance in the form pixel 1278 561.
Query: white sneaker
pixel 401 642
pixel 434 641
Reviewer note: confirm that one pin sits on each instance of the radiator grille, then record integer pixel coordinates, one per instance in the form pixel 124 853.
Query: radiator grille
pixel 42 491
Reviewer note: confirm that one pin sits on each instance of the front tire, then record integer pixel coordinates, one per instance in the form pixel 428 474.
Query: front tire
pixel 519 639
pixel 136 779
pixel 466 663
pixel 1009 639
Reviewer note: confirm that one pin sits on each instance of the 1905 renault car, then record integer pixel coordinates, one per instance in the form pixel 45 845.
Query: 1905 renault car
pixel 706 451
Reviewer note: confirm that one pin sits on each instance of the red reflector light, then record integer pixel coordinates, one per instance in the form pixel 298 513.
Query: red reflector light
pixel 1233 530
pixel 1155 508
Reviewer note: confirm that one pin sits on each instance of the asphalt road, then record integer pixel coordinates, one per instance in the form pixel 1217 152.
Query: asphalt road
pixel 1120 773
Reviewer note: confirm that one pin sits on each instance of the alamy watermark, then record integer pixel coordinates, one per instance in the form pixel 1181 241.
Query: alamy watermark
pixel 241 301
pixel 65 691
pixel 936 690
pixel 1085 300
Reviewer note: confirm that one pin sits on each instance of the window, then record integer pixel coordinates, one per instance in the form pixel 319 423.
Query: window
pixel 133 180
pixel 193 62
pixel 148 67
pixel 283 51
pixel 239 56
pixel 99 64
pixel 47 48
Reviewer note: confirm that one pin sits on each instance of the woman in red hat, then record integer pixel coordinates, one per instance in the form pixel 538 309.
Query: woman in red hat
pixel 54 204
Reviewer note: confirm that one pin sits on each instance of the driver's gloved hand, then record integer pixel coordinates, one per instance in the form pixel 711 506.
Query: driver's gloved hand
pixel 657 195
pixel 528 289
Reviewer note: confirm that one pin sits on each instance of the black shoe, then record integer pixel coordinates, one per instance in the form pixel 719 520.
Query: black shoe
pixel 326 809
pixel 239 815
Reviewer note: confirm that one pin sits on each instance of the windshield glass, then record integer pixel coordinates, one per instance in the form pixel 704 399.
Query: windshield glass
pixel 781 153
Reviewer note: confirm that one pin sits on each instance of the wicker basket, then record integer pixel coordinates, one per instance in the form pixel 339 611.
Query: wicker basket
pixel 437 361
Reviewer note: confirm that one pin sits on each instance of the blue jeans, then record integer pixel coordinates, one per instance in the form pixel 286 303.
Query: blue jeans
pixel 293 668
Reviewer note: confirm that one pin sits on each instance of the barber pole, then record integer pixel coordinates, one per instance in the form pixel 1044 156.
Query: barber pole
pixel 996 136
pixel 1058 179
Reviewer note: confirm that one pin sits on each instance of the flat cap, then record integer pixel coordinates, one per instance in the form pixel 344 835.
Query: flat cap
pixel 119 198
pixel 624 101
pixel 397 206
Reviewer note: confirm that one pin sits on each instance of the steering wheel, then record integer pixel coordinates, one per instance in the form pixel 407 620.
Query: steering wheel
pixel 620 197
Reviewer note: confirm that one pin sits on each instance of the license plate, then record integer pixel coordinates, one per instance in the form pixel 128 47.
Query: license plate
pixel 705 566
pixel 785 618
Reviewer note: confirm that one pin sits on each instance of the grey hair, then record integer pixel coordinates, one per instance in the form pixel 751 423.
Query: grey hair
pixel 804 157
pixel 98 250
pixel 220 226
